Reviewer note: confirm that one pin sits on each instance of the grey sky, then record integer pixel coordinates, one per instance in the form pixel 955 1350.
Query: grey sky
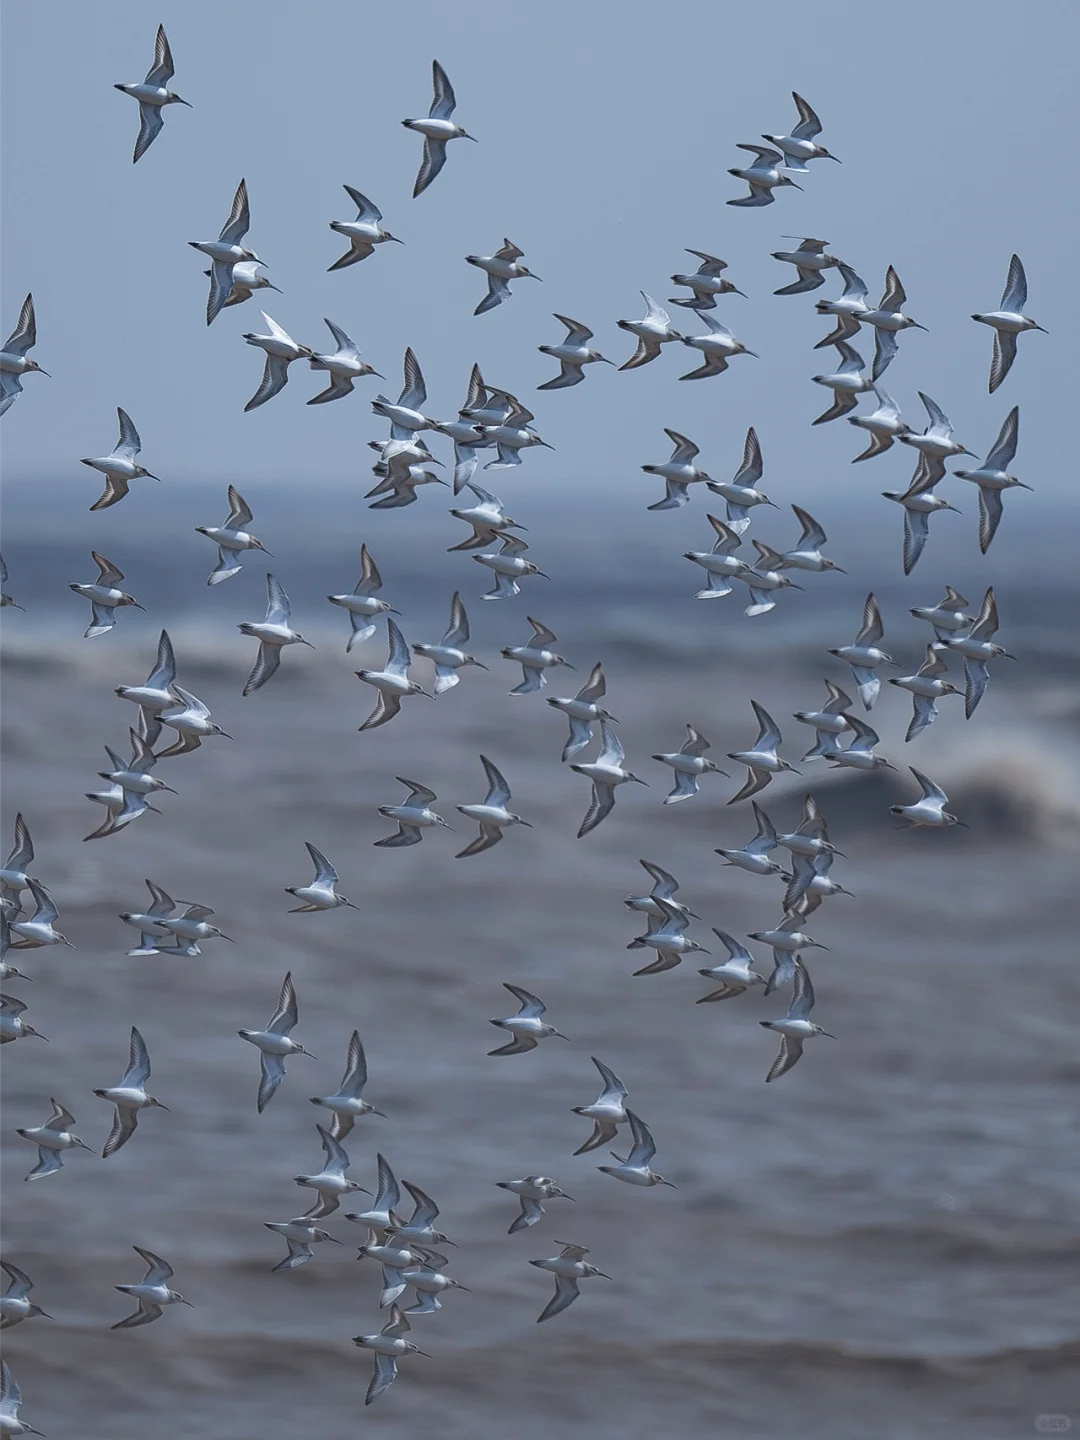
pixel 606 130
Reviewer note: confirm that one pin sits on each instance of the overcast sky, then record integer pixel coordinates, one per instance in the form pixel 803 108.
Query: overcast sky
pixel 605 130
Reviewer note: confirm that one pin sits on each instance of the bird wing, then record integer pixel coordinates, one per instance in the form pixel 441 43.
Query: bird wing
pixel 532 1007
pixel 24 336
pixel 1004 355
pixel 286 1014
pixel 274 379
pixel 442 106
pixel 236 226
pixel 151 120
pixel 125 1120
pixel 138 1071
pixel 872 629
pixel 162 70
pixel 1014 297
pixel 365 210
pixel 433 160
pixel 566 1292
pixel 1004 449
pixel 809 125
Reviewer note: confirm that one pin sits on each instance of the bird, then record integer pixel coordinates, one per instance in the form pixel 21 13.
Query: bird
pixel 607 1112
pixel 806 553
pixel 7 600
pixel 193 925
pixel 105 597
pixel 405 416
pixel 884 425
pixel 348 1105
pixel 935 445
pixel 12 1025
pixel 754 855
pixel 231 538
pixel 806 843
pixel 10 1403
pixel 392 683
pixel 362 605
pixel 678 472
pixel 689 764
pixel 530 1191
pixel 389 1344
pixel 156 694
pixel 820 886
pixel 363 233
pixel 39 930
pixel 828 722
pixel 14 878
pixel 246 279
pixel 785 941
pixel 52 1139
pixel 189 717
pixel 864 654
pixel 149 923
pixel 226 251
pixel 573 354
pixel 300 1234
pixel 344 365
pixel 717 345
pixel 526 1028
pixel 636 1169
pixel 153 95
pixel 762 761
pixel 388 1195
pixel 847 383
pixel 500 269
pixel 929 809
pixel 800 146
pixel 978 649
pixel 465 430
pixel 449 655
pixel 568 1267
pixel 152 1292
pixel 119 467
pixel 273 632
pixel 947 617
pixel 413 816
pixel 419 1228
pixel 667 936
pixel 606 772
pixel 796 1026
pixel 652 332
pixel 705 284
pixel 14 361
pixel 534 658
pixel 811 260
pixel 849 307
pixel 764 176
pixel 15 1304
pixel 926 687
pixel 135 781
pixel 764 578
pixel 512 434
pixel 888 319
pixel 281 350
pixel 740 491
pixel 582 710
pixel 130 1096
pixel 320 894
pixel 732 976
pixel 488 520
pixel 274 1044
pixel 919 502
pixel 399 478
pixel 492 816
pixel 1007 323
pixel 437 129
pixel 859 752
pixel 330 1183
pixel 993 478
pixel 720 563
pixel 429 1283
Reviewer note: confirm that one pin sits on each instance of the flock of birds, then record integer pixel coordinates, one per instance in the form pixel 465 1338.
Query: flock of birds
pixel 410 1249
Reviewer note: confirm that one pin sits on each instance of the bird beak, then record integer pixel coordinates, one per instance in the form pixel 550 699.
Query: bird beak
pixel 527 824
pixel 160 1106
pixel 49 377
pixel 148 476
pixel 376 372
pixel 756 357
pixel 177 101
pixel 543 576
pixel 915 325
pixel 827 1035
pixel 307 643
pixel 1023 486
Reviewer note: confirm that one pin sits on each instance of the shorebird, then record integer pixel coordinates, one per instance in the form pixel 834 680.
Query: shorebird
pixel 363 233
pixel 273 632
pixel 1007 322
pixel 280 350
pixel 156 694
pixel 12 1025
pixel 810 260
pixel 389 1345
pixel 119 467
pixel 992 477
pixel 14 361
pixel 246 279
pixel 508 567
pixel 929 809
pixel 405 416
pixel 689 764
pixel 819 888
pixel 807 843
pixel 130 1096
pixel 754 856
pixel 153 95
pixel 720 563
pixel 864 655
pixel 762 760
pixel 347 1104
pixel 607 1111
pixel 419 1228
pixel 150 922
pixel 526 1028
pixel 437 130
pixel 135 782
pixel 947 616
pixel 10 1403
pixel 828 722
pixel 978 649
pixel 534 658
pixel 652 332
pixel 231 538
pixel 362 604
pixel 935 445
pixel 226 251
pixel 5 599
pixel 387 1198
pixel 300 1234
pixel 492 816
pixel 330 1183
pixel 796 1026
pixel 849 307
pixel 606 772
pixel 488 519
pixel 800 146
pixel 465 431
pixel 413 816
pixel 321 893
pixel 785 941
pixel 500 269
pixel 152 1292
pixel 39 930
pixel 926 687
pixel 582 710
pixel 919 502
pixel 530 1191
pixel 344 365
pixel 859 754
pixel 888 319
pixel 568 1267
pixel 274 1044
pixel 573 354
pixel 636 1168
pixel 14 878
pixel 718 345
pixel 667 936
pixel 706 283
pixel 105 597
pixel 883 424
pixel 15 1304
pixel 764 176
pixel 678 473
pixel 511 435
pixel 847 383
pixel 429 1282
pixel 734 975
pixel 52 1139
pixel 399 477
pixel 189 717
pixel 392 682
pixel 806 553
pixel 740 491
pixel 449 655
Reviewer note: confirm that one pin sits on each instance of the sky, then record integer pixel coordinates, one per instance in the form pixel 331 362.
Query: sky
pixel 605 135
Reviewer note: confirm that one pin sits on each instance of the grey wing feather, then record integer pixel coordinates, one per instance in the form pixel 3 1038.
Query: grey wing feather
pixel 275 377
pixel 566 1292
pixel 151 121
pixel 138 1071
